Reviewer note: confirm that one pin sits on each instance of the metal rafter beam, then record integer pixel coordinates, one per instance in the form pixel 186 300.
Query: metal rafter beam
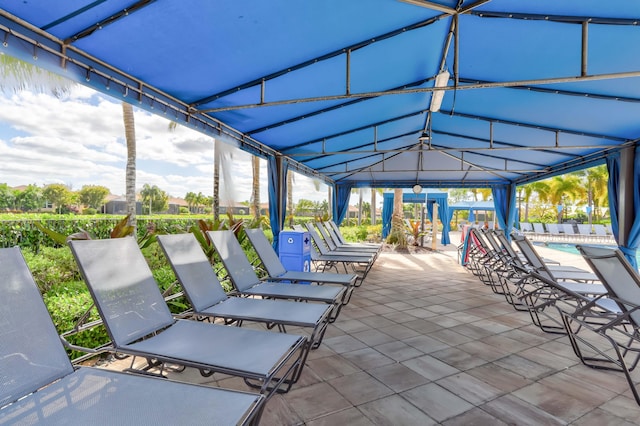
pixel 357 129
pixel 494 85
pixel 567 19
pixel 534 126
pixel 560 92
pixel 433 6
pixel 550 149
pixel 342 51
pixel 329 109
pixel 108 21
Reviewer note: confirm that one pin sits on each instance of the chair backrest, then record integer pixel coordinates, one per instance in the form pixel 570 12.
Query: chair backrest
pixel 526 227
pixel 193 270
pixel 31 353
pixel 325 235
pixel 332 232
pixel 507 247
pixel 584 229
pixel 532 256
pixel 617 275
pixel 123 288
pixel 317 239
pixel 235 261
pixel 538 228
pixel 493 242
pixel 599 230
pixel 266 253
pixel 335 228
pixel 568 229
pixel 553 228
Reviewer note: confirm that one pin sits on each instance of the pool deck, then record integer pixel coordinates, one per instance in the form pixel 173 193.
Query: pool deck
pixel 424 342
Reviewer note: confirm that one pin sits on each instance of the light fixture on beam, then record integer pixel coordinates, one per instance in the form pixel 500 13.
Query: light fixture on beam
pixel 442 80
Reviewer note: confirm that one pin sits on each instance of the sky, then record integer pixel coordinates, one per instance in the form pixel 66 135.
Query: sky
pixel 78 139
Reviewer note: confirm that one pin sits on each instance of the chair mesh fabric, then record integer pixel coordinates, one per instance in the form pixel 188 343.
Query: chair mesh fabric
pixel 192 268
pixel 235 261
pixel 266 253
pixel 30 348
pixel 93 396
pixel 617 276
pixel 127 297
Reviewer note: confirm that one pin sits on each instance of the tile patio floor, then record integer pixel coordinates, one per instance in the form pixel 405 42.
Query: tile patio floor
pixel 423 342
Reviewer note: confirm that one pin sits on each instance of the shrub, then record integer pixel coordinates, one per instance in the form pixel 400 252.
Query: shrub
pixel 89 211
pixel 51 266
pixel 67 302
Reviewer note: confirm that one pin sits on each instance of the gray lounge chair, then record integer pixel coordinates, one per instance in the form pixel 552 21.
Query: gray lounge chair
pixel 558 274
pixel 548 288
pixel 208 299
pixel 619 327
pixel 139 323
pixel 277 272
pixel 41 386
pixel 331 226
pixel 334 244
pixel 247 283
pixel 360 263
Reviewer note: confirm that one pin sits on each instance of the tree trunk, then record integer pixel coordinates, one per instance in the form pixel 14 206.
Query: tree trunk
pixel 359 206
pixel 397 235
pixel 290 196
pixel 130 179
pixel 216 180
pixel 373 206
pixel 255 190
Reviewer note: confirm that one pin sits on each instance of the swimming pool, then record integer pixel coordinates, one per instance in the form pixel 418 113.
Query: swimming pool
pixel 571 248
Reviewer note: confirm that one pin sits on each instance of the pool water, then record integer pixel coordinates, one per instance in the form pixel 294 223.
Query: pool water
pixel 571 248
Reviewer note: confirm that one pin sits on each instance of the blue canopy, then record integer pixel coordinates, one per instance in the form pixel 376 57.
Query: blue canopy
pixel 364 93
pixel 472 207
pixel 428 197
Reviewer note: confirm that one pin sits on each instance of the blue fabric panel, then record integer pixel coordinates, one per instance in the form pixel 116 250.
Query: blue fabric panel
pixel 342 193
pixel 504 198
pixel 277 210
pixel 387 212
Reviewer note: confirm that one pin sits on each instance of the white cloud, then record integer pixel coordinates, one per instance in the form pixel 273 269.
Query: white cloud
pixel 79 140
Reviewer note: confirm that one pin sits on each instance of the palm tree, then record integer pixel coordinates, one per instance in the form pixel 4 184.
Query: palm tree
pixel 562 189
pixel 397 235
pixel 217 157
pixel 130 176
pixel 597 178
pixel 255 188
pixel 290 180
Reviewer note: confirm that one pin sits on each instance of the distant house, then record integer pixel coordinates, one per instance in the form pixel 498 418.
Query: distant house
pixel 175 204
pixel 117 204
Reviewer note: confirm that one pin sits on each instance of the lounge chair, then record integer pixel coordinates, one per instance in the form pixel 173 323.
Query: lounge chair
pixel 277 272
pixel 209 300
pixel 547 288
pixel 584 229
pixel 601 232
pixel 40 385
pixel 526 227
pixel 557 272
pixel 139 323
pixel 618 326
pixel 334 244
pixel 360 263
pixel 554 232
pixel 331 225
pixel 246 282
pixel 539 231
pixel 569 232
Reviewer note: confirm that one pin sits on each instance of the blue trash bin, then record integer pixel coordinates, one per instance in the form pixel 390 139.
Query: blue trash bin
pixel 295 251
